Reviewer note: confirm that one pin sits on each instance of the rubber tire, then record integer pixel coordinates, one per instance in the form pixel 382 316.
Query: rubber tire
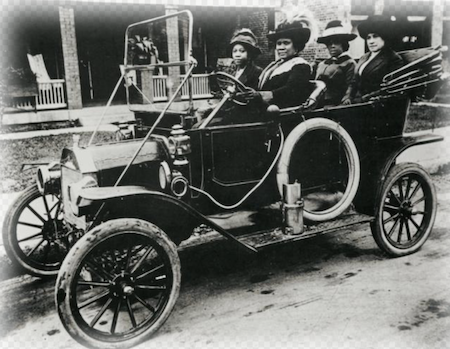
pixel 9 231
pixel 393 176
pixel 352 158
pixel 75 258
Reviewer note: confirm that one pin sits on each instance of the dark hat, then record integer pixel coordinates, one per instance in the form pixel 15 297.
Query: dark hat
pixel 296 30
pixel 245 37
pixel 335 29
pixel 383 25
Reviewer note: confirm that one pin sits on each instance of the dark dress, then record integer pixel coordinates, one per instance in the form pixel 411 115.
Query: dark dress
pixel 288 80
pixel 369 81
pixel 337 74
pixel 249 76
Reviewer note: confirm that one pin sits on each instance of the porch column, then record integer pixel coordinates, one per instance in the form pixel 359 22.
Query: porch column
pixel 173 78
pixel 437 23
pixel 70 54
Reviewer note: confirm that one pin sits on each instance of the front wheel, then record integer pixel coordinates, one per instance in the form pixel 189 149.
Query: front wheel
pixel 406 210
pixel 34 233
pixel 118 284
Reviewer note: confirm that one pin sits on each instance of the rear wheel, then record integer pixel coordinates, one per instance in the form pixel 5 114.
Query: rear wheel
pixel 406 210
pixel 118 284
pixel 34 231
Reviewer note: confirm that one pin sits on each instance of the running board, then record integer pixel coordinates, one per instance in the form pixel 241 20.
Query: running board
pixel 269 238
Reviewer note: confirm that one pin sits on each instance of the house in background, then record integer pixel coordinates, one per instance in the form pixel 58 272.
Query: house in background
pixel 82 43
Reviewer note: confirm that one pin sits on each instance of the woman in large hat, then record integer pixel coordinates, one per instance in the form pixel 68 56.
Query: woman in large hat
pixel 336 71
pixel 378 32
pixel 244 50
pixel 285 82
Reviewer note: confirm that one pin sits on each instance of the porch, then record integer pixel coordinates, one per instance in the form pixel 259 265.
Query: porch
pixel 51 94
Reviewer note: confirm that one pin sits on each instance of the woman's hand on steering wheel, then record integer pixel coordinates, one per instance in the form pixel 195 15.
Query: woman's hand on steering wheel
pixel 233 87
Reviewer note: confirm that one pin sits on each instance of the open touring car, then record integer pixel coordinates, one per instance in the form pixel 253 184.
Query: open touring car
pixel 113 215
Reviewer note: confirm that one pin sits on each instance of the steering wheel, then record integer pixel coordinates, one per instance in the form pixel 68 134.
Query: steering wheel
pixel 229 84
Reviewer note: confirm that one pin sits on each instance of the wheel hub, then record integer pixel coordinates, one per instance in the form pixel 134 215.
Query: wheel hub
pixel 406 209
pixel 123 286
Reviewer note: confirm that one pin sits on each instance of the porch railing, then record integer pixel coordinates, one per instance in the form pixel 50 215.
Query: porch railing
pixel 50 95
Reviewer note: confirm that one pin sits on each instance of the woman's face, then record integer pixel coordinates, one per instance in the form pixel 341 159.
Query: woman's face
pixel 240 55
pixel 374 42
pixel 334 48
pixel 285 48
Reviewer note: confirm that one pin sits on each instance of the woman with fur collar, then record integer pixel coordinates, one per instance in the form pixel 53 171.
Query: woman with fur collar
pixel 285 82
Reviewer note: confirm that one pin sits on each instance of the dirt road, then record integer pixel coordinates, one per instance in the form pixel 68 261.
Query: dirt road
pixel 335 291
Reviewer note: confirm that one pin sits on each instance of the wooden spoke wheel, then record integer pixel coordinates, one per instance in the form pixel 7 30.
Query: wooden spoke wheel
pixel 118 284
pixel 406 210
pixel 34 233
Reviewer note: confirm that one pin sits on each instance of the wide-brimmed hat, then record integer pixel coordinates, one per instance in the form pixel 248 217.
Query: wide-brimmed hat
pixel 296 30
pixel 335 29
pixel 383 25
pixel 245 37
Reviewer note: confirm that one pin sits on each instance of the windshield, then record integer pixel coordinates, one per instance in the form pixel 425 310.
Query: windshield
pixel 157 53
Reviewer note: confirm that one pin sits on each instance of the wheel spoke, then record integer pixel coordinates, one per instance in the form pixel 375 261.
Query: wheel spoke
pixel 418 201
pixel 35 248
pixel 400 232
pixel 147 273
pixel 101 312
pixel 148 287
pixel 98 269
pixel 400 188
pixel 414 191
pixel 31 237
pixel 93 283
pixel 415 224
pixel 31 225
pixel 46 206
pixel 130 313
pixel 128 261
pixel 418 212
pixel 392 194
pixel 408 187
pixel 408 232
pixel 391 231
pixel 144 303
pixel 93 299
pixel 390 207
pixel 139 263
pixel 36 214
pixel 115 317
pixel 387 220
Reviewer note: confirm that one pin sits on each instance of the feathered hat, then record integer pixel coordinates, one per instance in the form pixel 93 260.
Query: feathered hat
pixel 335 29
pixel 245 37
pixel 299 28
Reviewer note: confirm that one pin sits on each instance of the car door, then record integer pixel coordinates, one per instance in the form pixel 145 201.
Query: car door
pixel 236 157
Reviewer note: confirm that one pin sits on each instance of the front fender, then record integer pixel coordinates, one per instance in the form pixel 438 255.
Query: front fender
pixel 175 217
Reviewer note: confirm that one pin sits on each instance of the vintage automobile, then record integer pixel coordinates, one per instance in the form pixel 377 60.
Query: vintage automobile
pixel 109 218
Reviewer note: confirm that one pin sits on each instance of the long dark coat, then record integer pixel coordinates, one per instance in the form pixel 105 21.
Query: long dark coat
pixel 372 75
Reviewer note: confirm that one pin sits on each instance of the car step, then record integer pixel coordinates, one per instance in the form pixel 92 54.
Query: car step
pixel 264 239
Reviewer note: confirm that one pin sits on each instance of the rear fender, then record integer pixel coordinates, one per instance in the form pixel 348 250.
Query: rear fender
pixel 367 198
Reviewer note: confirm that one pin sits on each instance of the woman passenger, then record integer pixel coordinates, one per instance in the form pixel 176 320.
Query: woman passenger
pixel 336 71
pixel 380 60
pixel 285 82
